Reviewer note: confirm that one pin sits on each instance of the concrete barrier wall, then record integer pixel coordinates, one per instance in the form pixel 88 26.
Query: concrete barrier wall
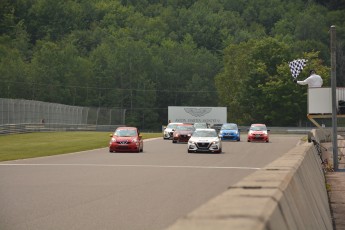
pixel 289 193
pixel 322 135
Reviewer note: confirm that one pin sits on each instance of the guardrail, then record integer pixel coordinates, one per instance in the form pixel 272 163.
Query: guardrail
pixel 282 130
pixel 289 193
pixel 40 127
pixel 49 127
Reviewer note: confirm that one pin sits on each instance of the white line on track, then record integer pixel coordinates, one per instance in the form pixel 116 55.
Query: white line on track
pixel 147 166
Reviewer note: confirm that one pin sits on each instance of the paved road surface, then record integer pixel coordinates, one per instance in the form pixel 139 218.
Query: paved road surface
pixel 101 190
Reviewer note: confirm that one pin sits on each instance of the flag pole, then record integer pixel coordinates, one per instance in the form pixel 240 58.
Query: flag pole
pixel 334 95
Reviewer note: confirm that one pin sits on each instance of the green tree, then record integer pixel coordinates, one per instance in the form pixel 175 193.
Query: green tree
pixel 53 18
pixel 289 108
pixel 57 72
pixel 13 71
pixel 88 52
pixel 255 87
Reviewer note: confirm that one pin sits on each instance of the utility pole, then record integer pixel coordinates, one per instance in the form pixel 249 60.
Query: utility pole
pixel 334 97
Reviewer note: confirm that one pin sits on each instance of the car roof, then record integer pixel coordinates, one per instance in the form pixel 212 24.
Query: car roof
pixel 127 127
pixel 205 129
pixel 258 124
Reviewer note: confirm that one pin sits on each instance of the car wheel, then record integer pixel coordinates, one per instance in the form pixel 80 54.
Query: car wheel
pixel 110 151
pixel 219 151
pixel 190 151
pixel 173 141
pixel 248 140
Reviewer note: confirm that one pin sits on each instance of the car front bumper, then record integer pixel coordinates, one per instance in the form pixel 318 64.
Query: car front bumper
pixel 132 147
pixel 167 135
pixel 204 147
pixel 181 138
pixel 258 137
pixel 229 136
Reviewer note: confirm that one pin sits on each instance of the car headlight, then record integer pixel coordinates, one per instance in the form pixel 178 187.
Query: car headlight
pixel 113 140
pixel 135 140
pixel 215 142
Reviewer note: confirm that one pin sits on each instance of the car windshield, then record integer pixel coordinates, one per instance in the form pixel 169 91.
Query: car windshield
pixel 126 133
pixel 171 126
pixel 205 133
pixel 229 126
pixel 184 128
pixel 200 125
pixel 258 128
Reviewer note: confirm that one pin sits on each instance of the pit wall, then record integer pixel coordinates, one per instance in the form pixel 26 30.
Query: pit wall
pixel 289 193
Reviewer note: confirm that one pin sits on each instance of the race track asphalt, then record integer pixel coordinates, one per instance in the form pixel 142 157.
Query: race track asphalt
pixel 101 190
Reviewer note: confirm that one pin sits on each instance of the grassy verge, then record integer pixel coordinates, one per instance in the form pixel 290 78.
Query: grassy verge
pixel 21 146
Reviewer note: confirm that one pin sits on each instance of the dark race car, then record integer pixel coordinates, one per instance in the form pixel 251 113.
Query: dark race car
pixel 182 133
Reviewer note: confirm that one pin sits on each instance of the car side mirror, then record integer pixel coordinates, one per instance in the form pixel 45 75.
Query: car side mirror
pixel 268 130
pixel 111 135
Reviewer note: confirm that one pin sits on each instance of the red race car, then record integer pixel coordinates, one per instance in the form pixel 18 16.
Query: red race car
pixel 182 133
pixel 258 132
pixel 126 139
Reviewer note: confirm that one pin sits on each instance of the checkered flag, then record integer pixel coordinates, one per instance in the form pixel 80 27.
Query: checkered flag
pixel 296 66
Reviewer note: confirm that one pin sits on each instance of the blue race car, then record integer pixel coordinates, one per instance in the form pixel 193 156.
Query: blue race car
pixel 229 131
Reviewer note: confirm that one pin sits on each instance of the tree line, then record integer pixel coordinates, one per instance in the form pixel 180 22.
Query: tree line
pixel 146 55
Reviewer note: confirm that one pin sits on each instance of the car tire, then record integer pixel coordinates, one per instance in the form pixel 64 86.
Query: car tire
pixel 173 141
pixel 110 151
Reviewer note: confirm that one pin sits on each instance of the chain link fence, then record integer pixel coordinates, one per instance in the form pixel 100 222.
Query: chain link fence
pixel 18 115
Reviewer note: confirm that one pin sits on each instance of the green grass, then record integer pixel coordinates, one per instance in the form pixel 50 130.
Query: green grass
pixel 29 145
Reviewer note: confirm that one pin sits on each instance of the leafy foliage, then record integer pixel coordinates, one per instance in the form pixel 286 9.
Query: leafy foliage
pixel 143 56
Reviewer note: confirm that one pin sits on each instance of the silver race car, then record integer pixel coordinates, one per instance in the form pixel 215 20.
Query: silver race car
pixel 205 140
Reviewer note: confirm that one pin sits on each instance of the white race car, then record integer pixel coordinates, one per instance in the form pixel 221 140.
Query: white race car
pixel 169 130
pixel 205 140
